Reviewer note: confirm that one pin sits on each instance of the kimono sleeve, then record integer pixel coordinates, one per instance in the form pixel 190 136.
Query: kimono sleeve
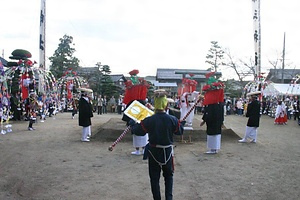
pixel 178 126
pixel 138 129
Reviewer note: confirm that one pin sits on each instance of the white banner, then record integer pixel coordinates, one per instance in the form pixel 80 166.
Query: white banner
pixel 42 35
pixel 257 35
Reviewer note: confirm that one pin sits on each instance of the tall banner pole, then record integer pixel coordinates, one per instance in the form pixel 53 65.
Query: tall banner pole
pixel 42 48
pixel 257 36
pixel 42 34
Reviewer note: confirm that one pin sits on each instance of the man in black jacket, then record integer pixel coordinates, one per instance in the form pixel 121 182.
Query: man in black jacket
pixel 85 113
pixel 213 117
pixel 160 127
pixel 253 114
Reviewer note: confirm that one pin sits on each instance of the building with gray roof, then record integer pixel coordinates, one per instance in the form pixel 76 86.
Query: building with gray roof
pixel 282 76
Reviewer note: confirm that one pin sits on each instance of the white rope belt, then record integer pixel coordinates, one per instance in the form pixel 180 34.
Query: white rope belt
pixel 164 147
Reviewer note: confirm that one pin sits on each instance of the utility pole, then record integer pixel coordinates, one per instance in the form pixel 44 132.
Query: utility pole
pixel 283 58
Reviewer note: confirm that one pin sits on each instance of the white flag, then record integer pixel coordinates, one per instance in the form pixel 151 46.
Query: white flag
pixel 257 35
pixel 42 34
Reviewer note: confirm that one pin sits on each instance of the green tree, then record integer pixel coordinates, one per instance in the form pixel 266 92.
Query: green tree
pixel 234 88
pixel 63 58
pixel 215 56
pixel 105 69
pixel 151 89
pixel 99 77
pixel 107 86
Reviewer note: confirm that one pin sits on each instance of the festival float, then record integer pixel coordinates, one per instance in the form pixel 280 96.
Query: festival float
pixel 67 87
pixel 14 80
pixel 21 78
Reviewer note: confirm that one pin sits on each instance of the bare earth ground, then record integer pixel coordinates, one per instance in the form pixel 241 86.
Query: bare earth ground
pixel 52 163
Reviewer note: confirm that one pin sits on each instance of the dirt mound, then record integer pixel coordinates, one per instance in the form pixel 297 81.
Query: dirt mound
pixel 112 129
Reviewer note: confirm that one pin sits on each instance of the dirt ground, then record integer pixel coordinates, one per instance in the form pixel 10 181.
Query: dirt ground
pixel 51 162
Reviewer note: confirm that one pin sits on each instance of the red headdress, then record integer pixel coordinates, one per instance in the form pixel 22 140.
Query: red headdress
pixel 136 88
pixel 187 85
pixel 214 90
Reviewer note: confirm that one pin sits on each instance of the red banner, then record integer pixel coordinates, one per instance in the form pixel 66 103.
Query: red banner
pixel 24 85
pixel 69 89
pixel 187 85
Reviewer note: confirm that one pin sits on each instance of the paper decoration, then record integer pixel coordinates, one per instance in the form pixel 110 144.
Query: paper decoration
pixel 138 111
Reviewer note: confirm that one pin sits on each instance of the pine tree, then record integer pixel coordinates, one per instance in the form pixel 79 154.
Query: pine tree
pixel 107 86
pixel 63 58
pixel 215 56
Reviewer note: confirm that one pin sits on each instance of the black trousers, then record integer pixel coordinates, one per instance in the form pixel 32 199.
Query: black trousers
pixel 16 114
pixel 119 109
pixel 154 173
pixel 296 115
pixel 31 121
pixel 99 110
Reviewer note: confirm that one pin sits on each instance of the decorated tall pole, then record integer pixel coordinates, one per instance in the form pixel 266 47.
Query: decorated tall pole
pixel 257 36
pixel 42 47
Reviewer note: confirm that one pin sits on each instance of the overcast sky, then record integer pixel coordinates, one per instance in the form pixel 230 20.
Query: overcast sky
pixel 151 34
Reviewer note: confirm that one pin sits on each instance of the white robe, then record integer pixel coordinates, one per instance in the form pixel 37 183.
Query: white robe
pixel 251 133
pixel 280 111
pixel 140 141
pixel 214 142
pixel 86 131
